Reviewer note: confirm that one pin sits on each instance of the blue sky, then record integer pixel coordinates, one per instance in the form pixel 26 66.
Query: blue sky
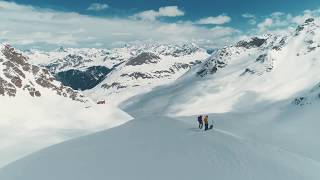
pixel 194 9
pixel 208 22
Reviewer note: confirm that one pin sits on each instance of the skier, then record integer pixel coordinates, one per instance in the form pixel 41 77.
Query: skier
pixel 206 123
pixel 200 122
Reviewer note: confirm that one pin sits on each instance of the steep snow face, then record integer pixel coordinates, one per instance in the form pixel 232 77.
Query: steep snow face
pixel 248 74
pixel 149 66
pixel 37 110
pixel 158 148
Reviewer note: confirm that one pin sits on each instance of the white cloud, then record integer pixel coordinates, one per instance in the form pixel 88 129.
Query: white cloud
pixel 221 19
pixel 268 22
pixel 306 15
pixel 97 7
pixel 277 14
pixel 151 15
pixel 252 19
pixel 280 22
pixel 220 31
pixel 26 27
pixel 248 15
pixel 170 11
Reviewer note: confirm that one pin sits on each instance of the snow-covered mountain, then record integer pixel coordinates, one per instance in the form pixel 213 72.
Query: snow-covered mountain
pixel 119 73
pixel 37 110
pixel 261 94
pixel 18 77
pixel 148 67
pixel 78 68
pixel 250 73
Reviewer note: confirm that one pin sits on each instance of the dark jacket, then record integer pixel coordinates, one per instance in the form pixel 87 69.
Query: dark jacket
pixel 200 119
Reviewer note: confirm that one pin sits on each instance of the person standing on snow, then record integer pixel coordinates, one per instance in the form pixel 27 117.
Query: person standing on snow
pixel 206 122
pixel 200 122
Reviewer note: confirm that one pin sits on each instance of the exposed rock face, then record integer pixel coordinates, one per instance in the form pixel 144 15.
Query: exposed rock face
pixel 113 85
pixel 143 58
pixel 256 48
pixel 262 58
pixel 215 62
pixel 137 75
pixel 7 88
pixel 253 43
pixel 308 98
pixel 308 22
pixel 17 75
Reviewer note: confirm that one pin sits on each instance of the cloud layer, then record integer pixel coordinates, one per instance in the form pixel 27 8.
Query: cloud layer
pixel 47 28
pixel 152 15
pixel 221 19
pixel 30 27
pixel 97 7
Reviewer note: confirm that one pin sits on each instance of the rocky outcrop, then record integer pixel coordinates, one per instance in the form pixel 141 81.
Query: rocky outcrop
pixel 143 58
pixel 18 75
pixel 253 43
pixel 256 48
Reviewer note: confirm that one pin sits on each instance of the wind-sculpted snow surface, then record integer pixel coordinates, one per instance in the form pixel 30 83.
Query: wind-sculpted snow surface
pixel 158 148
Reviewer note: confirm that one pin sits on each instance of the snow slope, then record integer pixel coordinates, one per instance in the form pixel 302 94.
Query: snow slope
pixel 155 147
pixel 244 76
pixel 37 110
pixel 29 124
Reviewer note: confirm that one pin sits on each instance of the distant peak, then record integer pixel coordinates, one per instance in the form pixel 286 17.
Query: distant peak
pixel 308 21
pixel 61 49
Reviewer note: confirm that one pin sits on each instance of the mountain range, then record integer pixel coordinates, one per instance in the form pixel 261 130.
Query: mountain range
pixel 261 94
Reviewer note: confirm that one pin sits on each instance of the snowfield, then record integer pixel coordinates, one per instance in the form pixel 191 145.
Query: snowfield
pixel 155 147
pixel 28 124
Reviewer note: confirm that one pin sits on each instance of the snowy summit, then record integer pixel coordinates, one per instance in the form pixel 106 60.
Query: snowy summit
pixel 164 91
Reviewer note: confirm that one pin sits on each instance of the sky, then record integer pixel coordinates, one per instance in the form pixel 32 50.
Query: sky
pixel 46 24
